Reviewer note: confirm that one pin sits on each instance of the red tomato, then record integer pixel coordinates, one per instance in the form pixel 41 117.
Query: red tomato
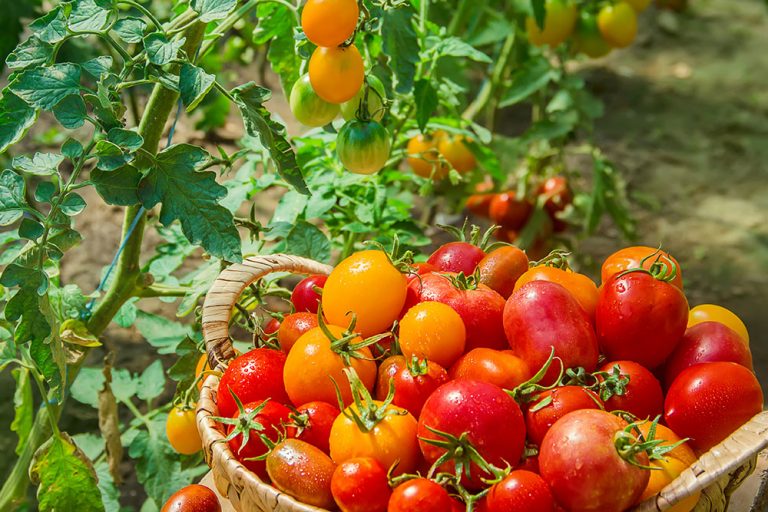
pixel 255 375
pixel 302 471
pixel 193 498
pixel 642 395
pixel 520 490
pixel 304 297
pixel 313 423
pixel 708 401
pixel 361 485
pixel 491 419
pixel 292 327
pixel 270 421
pixel 508 211
pixel 553 404
pixel 542 315
pixel 269 328
pixel 480 204
pixel 480 308
pixel 707 342
pixel 586 440
pixel 499 367
pixel 640 318
pixel 581 287
pixel 414 381
pixel 632 257
pixel 530 463
pixel 419 494
pixel 457 257
pixel 500 269
pixel 558 194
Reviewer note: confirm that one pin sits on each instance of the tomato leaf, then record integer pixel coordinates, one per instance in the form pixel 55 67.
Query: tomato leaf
pixel 194 84
pixel 308 240
pixel 98 66
pixel 526 80
pixel 151 382
pixel 258 121
pixel 401 45
pixel 85 389
pixel 71 112
pixel 276 27
pixel 12 200
pixel 89 15
pixel 32 52
pixel 455 47
pixel 211 10
pixel 26 277
pixel 72 204
pixel 190 196
pixel 41 164
pixel 45 87
pixel 30 229
pixel 160 50
pixel 539 9
pixel 426 99
pixel 119 187
pixel 130 29
pixel 117 149
pixel 183 370
pixel 66 477
pixel 23 404
pixel 163 334
pixel 15 119
pixel 52 27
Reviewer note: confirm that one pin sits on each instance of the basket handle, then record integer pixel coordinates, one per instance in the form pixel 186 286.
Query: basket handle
pixel 725 458
pixel 226 290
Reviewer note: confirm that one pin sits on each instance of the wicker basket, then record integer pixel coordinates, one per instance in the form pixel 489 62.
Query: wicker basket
pixel 717 473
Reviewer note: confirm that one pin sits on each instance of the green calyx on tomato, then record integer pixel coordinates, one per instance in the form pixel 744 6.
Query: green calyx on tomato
pixel 558 258
pixel 309 108
pixel 343 345
pixel 530 389
pixel 368 104
pixel 605 384
pixel 244 423
pixel 417 366
pixel 366 412
pixel 663 269
pixel 630 443
pixel 474 237
pixel 363 146
pixel 460 450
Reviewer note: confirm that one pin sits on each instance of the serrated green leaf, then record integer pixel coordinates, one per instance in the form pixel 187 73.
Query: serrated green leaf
pixel 526 80
pixel 191 197
pixel 15 119
pixel 110 495
pixel 126 315
pixel 104 111
pixel 72 149
pixel 45 87
pixel 25 306
pixel 87 385
pixel 401 45
pixel 119 187
pixel 72 204
pixel 28 278
pixel 30 229
pixel 45 191
pixel 71 112
pixel 11 197
pixel 211 10
pixel 124 385
pixel 41 164
pixel 425 97
pixel 160 50
pixel 307 240
pixel 52 27
pixel 151 382
pixel 194 84
pixel 130 29
pixel 67 480
pixel 276 27
pixel 183 370
pixel 163 334
pixel 89 15
pixel 67 302
pixel 32 52
pixel 98 66
pixel 289 208
pixel 23 405
pixel 258 123
pixel 455 47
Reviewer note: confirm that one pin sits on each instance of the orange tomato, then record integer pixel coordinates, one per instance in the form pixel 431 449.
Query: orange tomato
pixel 202 366
pixel 329 22
pixel 714 313
pixel 499 367
pixel 558 24
pixel 669 468
pixel 312 367
pixel 424 158
pixel 393 439
pixel 630 257
pixel 618 24
pixel 682 452
pixel 181 429
pixel 367 286
pixel 337 73
pixel 434 331
pixel 292 327
pixel 581 287
pixel 457 153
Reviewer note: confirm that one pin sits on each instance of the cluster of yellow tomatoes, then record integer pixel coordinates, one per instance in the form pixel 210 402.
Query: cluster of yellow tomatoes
pixel 592 32
pixel 433 155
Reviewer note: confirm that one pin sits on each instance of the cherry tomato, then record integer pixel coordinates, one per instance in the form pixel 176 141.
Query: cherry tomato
pixel 292 327
pixel 682 451
pixel 543 315
pixel 480 204
pixel 309 108
pixel 269 421
pixel 640 318
pixel 667 469
pixel 181 429
pixel 457 257
pixel 313 423
pixel 583 289
pixel 255 375
pixel 302 471
pixel 707 342
pixel 631 257
pixel 501 268
pixel 424 158
pixel 508 211
pixel 457 153
pixel 708 401
pixel 361 485
pixel 434 331
pixel 588 39
pixel 269 328
pixel 304 297
pixel 553 404
pixel 713 313
pixel 499 367
pixel 642 395
pixel 313 366
pixel 376 98
pixel 586 439
pixel 558 24
pixel 520 490
pixel 329 22
pixel 489 418
pixel 558 194
pixel 420 494
pixel 414 381
pixel 363 146
pixel 192 498
pixel 336 73
pixel 367 285
pixel 618 24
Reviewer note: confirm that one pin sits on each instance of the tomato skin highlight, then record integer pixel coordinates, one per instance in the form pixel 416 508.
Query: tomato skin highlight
pixel 709 401
pixel 329 22
pixel 292 327
pixel 302 471
pixel 420 494
pixel 181 430
pixel 309 108
pixel 501 268
pixel 411 391
pixel 541 415
pixel 508 211
pixel 255 375
pixel 363 146
pixel 304 297
pixel 714 313
pixel 336 74
pixel 360 485
pixel 520 490
pixel 192 498
pixel 643 396
pixel 457 257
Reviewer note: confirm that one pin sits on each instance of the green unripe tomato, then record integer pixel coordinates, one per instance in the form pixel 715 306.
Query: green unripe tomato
pixel 363 146
pixel 588 39
pixel 309 108
pixel 376 96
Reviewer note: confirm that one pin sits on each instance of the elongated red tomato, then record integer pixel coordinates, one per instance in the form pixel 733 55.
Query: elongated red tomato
pixel 302 471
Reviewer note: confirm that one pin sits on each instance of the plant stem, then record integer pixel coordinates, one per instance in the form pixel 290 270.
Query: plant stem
pixel 490 88
pixel 230 21
pixel 158 290
pixel 146 12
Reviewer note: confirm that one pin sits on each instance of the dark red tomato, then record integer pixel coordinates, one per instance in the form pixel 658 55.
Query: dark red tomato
pixel 419 494
pixel 457 506
pixel 481 308
pixel 292 327
pixel 581 448
pixel 707 342
pixel 361 485
pixel 192 498
pixel 542 315
pixel 640 318
pixel 414 382
pixel 557 192
pixel 480 204
pixel 530 463
pixel 491 419
pixel 313 423
pixel 304 296
pixel 508 211
pixel 500 269
pixel 255 375
pixel 412 293
pixel 457 257
pixel 553 404
pixel 269 328
pixel 270 421
pixel 708 401
pixel 642 395
pixel 520 490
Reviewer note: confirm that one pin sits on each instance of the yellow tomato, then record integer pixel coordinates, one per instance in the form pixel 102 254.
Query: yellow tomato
pixel 669 468
pixel 588 39
pixel 336 74
pixel 424 158
pixel 559 22
pixel 618 24
pixel 433 331
pixel 457 153
pixel 181 429
pixel 714 313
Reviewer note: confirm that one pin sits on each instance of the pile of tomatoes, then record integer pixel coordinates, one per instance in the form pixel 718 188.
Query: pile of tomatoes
pixel 483 381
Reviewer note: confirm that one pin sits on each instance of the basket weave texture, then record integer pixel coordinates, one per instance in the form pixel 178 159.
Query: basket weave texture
pixel 717 473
